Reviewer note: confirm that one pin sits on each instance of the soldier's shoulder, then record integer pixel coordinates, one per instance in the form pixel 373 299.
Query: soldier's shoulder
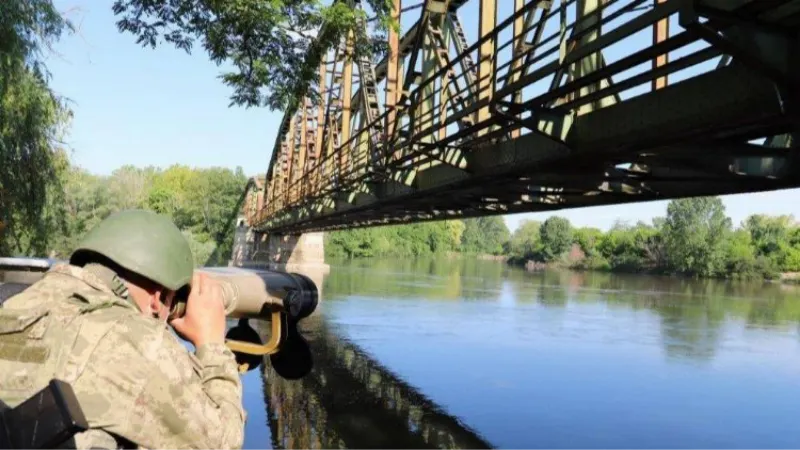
pixel 137 326
pixel 147 336
pixel 57 284
pixel 54 284
pixel 64 280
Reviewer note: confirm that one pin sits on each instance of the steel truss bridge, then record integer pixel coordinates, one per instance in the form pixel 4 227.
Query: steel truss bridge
pixel 535 105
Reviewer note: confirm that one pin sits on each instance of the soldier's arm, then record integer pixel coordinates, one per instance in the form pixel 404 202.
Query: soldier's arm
pixel 204 412
pixel 221 382
pixel 143 385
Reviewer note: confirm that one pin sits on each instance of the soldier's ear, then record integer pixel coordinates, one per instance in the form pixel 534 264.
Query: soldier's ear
pixel 154 300
pixel 166 298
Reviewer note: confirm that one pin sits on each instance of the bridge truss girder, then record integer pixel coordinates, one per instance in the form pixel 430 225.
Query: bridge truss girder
pixel 540 121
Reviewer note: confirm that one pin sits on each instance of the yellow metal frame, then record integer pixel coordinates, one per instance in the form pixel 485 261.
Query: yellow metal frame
pixel 270 347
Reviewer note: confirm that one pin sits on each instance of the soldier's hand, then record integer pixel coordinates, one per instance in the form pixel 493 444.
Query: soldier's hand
pixel 204 320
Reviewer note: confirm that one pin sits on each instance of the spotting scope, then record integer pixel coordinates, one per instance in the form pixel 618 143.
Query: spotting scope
pixel 282 299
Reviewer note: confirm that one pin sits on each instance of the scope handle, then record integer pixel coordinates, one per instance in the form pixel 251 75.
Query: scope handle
pixel 288 350
pixel 283 301
pixel 268 348
pixel 281 320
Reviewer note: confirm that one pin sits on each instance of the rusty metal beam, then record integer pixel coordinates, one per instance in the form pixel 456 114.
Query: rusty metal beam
pixel 486 57
pixel 518 48
pixel 347 92
pixel 450 149
pixel 392 93
pixel 660 34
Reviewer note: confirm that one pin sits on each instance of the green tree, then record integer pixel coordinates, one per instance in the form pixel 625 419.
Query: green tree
pixel 587 238
pixel 618 247
pixel 169 191
pixel 32 118
pixel 203 202
pixel 794 237
pixel 742 260
pixel 772 238
pixel 790 261
pixel 768 233
pixel 440 239
pixel 485 235
pixel 695 231
pixel 274 45
pixel 456 230
pixel 201 248
pixel 412 240
pixel 556 237
pixel 129 187
pixel 86 203
pixel 525 241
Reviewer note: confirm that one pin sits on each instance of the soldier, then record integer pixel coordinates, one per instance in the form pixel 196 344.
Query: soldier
pixel 100 323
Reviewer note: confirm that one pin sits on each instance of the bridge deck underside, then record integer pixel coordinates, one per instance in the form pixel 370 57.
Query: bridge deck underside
pixel 684 139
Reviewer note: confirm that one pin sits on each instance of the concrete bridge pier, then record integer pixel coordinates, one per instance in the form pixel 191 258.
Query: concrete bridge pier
pixel 299 253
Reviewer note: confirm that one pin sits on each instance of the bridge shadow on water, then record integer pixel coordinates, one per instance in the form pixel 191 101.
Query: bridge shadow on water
pixel 349 400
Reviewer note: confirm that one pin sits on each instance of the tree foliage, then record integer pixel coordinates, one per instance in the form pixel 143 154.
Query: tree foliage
pixel 694 239
pixel 587 238
pixel 412 240
pixel 775 239
pixel 525 242
pixel 32 118
pixel 556 237
pixel 694 232
pixel 199 201
pixel 697 239
pixel 485 235
pixel 631 248
pixel 274 45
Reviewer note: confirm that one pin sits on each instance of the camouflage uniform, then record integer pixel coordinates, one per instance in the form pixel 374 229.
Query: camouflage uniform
pixel 132 376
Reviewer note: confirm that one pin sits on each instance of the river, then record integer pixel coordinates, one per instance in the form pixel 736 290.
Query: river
pixel 465 353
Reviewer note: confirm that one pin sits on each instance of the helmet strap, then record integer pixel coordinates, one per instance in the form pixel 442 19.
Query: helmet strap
pixel 109 278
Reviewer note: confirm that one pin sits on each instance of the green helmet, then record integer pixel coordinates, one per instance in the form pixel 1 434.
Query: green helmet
pixel 145 243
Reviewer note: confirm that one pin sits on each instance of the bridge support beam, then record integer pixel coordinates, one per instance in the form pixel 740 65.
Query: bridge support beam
pixel 299 253
pixel 242 243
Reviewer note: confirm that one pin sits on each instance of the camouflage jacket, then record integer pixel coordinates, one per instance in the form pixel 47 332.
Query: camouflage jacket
pixel 133 378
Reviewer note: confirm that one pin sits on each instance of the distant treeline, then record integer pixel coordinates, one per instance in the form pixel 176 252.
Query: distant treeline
pixel 695 238
pixel 486 235
pixel 199 201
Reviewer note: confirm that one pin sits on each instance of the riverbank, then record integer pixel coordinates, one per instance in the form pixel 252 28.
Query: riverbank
pixel 586 265
pixel 790 278
pixel 695 239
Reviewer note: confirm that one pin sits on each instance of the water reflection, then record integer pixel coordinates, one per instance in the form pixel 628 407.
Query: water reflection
pixel 352 401
pixel 426 279
pixel 549 359
pixel 690 312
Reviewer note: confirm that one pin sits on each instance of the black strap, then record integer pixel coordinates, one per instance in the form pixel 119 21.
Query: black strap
pixel 48 419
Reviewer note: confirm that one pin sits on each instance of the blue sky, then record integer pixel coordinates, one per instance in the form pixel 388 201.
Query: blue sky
pixel 139 106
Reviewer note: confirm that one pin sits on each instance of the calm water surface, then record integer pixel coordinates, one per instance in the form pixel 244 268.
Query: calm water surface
pixel 474 354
